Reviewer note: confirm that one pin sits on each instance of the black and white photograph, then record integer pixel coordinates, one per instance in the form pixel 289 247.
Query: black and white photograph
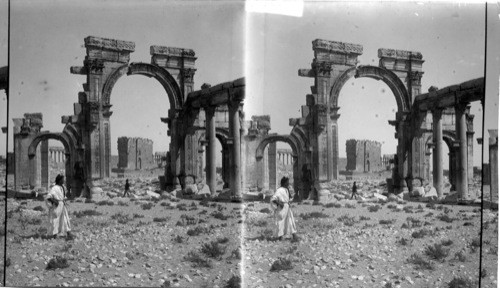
pixel 271 143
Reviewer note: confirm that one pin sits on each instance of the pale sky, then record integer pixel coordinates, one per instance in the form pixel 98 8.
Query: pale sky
pixel 450 37
pixel 47 39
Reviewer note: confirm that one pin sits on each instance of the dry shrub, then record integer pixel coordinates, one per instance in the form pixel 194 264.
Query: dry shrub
pixel 281 264
pixel 57 262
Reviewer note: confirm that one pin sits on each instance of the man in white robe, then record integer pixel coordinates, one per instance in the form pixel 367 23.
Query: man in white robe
pixel 283 216
pixel 58 213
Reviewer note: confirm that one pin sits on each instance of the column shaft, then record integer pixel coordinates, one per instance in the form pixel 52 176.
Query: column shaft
pixel 234 117
pixel 210 152
pixel 437 130
pixel 462 181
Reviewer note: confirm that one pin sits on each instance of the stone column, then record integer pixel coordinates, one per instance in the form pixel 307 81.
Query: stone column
pixel 211 147
pixel 452 168
pixel 272 171
pixel 234 119
pixel 45 164
pixel 493 163
pixel 437 154
pixel 461 130
pixel 401 149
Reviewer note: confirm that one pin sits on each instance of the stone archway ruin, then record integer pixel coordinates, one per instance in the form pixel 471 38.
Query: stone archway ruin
pixel 197 118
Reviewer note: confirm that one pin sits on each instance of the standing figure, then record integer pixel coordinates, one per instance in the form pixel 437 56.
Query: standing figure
pixel 354 191
pixel 127 188
pixel 280 202
pixel 58 212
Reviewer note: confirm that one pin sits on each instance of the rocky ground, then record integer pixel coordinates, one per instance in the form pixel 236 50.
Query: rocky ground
pixel 127 242
pixel 372 243
pixel 158 239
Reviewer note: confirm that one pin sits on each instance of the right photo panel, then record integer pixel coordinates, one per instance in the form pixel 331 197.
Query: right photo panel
pixel 364 148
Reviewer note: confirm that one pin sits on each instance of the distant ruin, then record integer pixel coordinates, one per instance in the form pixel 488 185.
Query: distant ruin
pixel 363 155
pixel 135 153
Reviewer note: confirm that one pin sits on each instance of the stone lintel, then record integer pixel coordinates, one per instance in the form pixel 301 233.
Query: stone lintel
pixel 171 51
pixel 109 44
pixel 399 54
pixel 306 73
pixel 78 70
pixel 339 47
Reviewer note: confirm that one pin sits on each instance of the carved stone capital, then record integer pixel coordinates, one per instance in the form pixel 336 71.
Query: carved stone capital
pixel 322 68
pixel 94 65
pixel 415 77
pixel 188 74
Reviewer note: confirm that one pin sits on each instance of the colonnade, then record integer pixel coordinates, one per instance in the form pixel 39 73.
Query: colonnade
pixel 234 145
pixel 461 164
pixel 57 154
pixel 285 156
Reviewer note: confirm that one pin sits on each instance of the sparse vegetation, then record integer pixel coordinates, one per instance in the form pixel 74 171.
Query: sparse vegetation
pixel 420 263
pixel 266 234
pixel 198 260
pixel 219 215
pixel 421 233
pixel 387 222
pixel 445 218
pixel 121 218
pixel 374 208
pixel 314 215
pixel 460 255
pixel 161 219
pixel 437 252
pixel 197 231
pixel 281 264
pixel 57 262
pixel 213 249
pixel 88 212
pixel 233 282
pixel 266 210
pixel 347 221
pixel 461 282
pixel 147 206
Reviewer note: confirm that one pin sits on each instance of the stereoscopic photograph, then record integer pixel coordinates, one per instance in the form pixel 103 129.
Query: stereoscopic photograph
pixel 347 144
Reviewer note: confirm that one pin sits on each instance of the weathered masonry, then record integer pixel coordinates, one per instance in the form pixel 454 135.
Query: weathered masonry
pixel 363 155
pixel 194 120
pixel 135 153
pixel 197 119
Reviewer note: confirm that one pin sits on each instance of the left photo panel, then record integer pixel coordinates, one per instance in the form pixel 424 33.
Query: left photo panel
pixel 116 179
pixel 4 81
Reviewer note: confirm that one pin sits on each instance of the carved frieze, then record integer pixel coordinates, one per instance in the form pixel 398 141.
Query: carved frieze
pixel 111 44
pixel 335 46
pixel 399 54
pixel 171 51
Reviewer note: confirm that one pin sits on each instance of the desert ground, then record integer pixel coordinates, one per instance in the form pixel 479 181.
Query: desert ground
pixel 156 238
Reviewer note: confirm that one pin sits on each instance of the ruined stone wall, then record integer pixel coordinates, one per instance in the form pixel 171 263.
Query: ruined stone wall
pixel 135 153
pixel 256 170
pixel 363 155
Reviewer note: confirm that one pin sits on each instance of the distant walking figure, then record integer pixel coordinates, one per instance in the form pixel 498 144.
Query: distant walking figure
pixel 354 190
pixel 127 188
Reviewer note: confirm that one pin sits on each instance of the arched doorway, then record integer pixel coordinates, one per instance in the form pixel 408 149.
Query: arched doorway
pixel 40 173
pixel 99 137
pixel 401 96
pixel 268 161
